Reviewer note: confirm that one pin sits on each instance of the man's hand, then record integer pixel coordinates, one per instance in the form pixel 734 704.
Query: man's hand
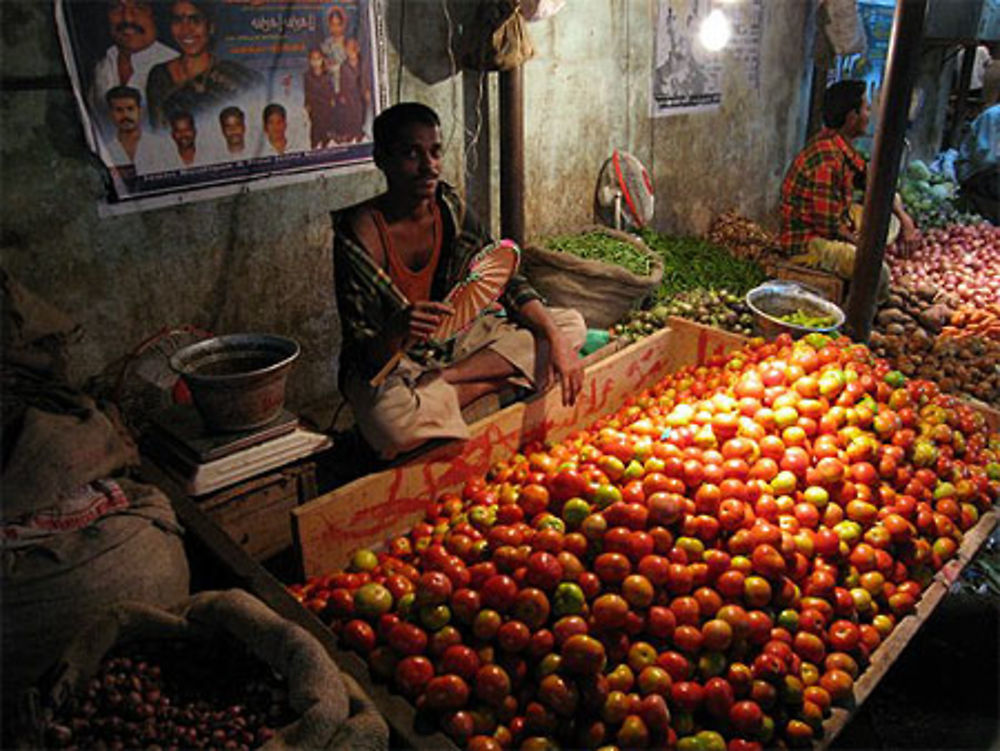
pixel 566 366
pixel 417 322
pixel 425 317
pixel 563 361
pixel 909 235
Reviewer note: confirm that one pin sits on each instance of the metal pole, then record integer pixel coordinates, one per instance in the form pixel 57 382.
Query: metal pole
pixel 901 70
pixel 512 154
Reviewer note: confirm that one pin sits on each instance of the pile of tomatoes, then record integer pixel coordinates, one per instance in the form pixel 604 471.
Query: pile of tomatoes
pixel 710 567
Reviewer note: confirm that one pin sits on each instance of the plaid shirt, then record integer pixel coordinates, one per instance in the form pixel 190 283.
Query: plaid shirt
pixel 817 191
pixel 367 296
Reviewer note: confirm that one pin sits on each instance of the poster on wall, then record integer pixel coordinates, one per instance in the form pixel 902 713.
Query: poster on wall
pixel 687 76
pixel 744 47
pixel 181 95
pixel 876 20
pixel 869 66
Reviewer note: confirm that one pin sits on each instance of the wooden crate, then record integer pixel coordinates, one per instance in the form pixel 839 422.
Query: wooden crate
pixel 890 649
pixel 400 714
pixel 370 509
pixel 256 513
pixel 643 362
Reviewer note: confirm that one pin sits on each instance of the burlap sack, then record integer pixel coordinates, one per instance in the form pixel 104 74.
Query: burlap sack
pixel 602 292
pixel 55 454
pixel 55 438
pixel 333 711
pixel 55 585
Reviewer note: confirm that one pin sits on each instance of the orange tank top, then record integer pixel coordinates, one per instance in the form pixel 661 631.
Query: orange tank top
pixel 414 283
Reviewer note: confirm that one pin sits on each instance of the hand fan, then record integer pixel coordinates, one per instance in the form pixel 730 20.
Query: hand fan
pixel 485 280
pixel 487 276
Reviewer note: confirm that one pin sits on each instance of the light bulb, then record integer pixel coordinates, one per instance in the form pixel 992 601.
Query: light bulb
pixel 715 31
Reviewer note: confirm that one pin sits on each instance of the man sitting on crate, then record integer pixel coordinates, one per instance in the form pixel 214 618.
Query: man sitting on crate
pixel 417 238
pixel 817 228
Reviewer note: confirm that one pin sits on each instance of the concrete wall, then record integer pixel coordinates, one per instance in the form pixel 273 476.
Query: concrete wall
pixel 261 260
pixel 588 92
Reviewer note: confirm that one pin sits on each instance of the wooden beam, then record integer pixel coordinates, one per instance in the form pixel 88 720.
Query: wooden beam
pixel 961 98
pixel 817 88
pixel 512 154
pixel 901 71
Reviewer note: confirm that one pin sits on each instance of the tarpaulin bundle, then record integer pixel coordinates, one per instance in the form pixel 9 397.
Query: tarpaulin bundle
pixel 497 38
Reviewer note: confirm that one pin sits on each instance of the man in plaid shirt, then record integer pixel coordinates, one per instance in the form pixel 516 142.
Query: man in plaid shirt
pixel 817 193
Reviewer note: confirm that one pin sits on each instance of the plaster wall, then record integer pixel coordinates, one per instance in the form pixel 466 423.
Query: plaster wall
pixel 261 260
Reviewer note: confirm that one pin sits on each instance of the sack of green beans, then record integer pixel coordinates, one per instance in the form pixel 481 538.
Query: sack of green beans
pixel 600 272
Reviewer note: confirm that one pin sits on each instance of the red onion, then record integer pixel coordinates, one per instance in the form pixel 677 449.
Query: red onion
pixel 960 259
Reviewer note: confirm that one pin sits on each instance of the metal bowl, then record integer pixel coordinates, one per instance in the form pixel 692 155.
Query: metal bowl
pixel 777 298
pixel 237 381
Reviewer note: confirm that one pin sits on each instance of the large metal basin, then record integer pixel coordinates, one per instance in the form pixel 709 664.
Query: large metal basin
pixel 774 299
pixel 237 381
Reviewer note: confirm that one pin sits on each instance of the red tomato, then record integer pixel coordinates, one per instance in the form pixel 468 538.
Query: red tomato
pixel 746 717
pixel 412 674
pixel 612 568
pixel 446 692
pixel 498 592
pixel 359 635
pixel 687 696
pixel 492 685
pixel 407 638
pixel 843 636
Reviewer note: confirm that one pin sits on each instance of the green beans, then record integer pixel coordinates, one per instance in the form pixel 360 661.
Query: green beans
pixel 692 262
pixel 809 320
pixel 597 246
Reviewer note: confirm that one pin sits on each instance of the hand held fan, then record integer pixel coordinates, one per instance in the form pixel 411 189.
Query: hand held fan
pixel 485 280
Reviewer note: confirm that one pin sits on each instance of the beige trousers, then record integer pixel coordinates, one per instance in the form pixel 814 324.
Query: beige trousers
pixel 414 404
pixel 837 257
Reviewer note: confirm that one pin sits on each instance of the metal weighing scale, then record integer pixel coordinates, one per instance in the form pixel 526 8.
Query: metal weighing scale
pixel 203 462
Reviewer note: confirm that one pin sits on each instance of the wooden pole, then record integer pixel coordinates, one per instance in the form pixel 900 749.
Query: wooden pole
pixel 478 190
pixel 961 98
pixel 512 154
pixel 901 70
pixel 816 92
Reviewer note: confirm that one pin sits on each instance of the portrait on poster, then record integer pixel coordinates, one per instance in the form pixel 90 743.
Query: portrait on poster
pixel 177 95
pixel 685 74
